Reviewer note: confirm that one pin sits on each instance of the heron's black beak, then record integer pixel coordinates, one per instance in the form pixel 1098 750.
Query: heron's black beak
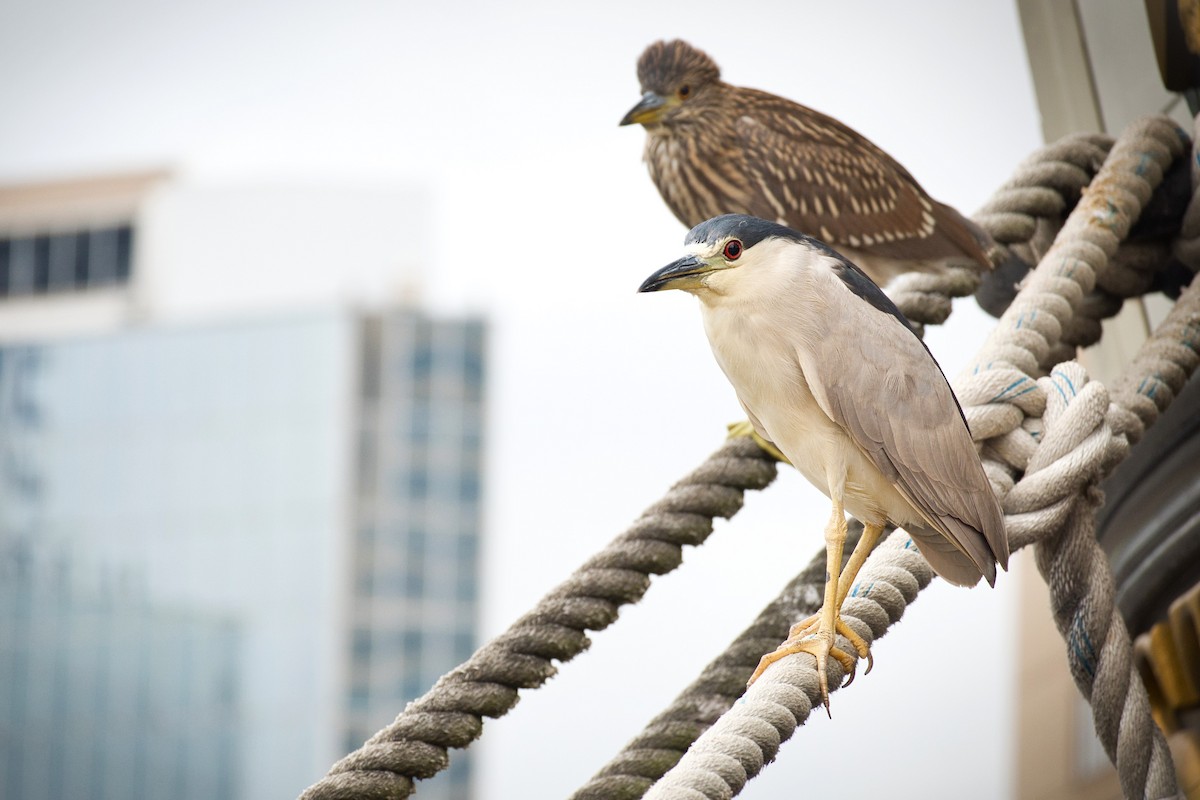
pixel 682 274
pixel 649 110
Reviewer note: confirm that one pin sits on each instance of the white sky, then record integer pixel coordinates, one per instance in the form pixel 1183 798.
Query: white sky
pixel 544 218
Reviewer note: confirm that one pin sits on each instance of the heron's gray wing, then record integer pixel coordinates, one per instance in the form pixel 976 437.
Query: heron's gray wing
pixel 819 176
pixel 877 380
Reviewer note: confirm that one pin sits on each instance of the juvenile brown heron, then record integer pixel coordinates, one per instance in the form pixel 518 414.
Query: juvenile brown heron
pixel 713 148
pixel 828 369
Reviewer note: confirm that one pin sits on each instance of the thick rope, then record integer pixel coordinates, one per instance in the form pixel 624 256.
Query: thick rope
pixel 1023 217
pixel 1024 214
pixel 451 713
pixel 746 738
pixel 1075 455
pixel 1082 590
pixel 1158 372
pixel 1043 186
pixel 668 736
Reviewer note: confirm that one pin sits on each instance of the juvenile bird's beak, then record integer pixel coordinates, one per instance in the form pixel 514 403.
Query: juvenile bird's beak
pixel 650 109
pixel 682 274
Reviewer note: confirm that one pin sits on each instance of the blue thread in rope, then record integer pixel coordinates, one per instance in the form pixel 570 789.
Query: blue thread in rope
pixel 1063 269
pixel 1190 334
pixel 1081 645
pixel 865 592
pixel 1026 315
pixel 1005 391
pixel 1064 377
pixel 1149 386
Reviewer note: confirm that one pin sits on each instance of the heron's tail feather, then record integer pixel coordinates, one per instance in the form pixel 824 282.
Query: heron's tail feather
pixel 952 563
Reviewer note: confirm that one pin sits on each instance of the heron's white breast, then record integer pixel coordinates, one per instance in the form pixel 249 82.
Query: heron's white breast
pixel 756 333
pixel 760 362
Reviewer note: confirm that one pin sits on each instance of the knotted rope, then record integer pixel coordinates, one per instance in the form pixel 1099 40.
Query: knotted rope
pixel 450 714
pixel 1024 215
pixel 1054 432
pixel 1042 187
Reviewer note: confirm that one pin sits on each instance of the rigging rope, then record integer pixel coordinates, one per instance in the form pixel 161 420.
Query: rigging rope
pixel 1055 433
pixel 1022 216
pixel 666 737
pixel 451 713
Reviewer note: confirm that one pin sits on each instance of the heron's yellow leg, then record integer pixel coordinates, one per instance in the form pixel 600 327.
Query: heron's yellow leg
pixel 858 557
pixel 819 643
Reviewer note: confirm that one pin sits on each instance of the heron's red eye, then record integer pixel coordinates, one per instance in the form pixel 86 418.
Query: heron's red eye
pixel 733 250
pixel 684 91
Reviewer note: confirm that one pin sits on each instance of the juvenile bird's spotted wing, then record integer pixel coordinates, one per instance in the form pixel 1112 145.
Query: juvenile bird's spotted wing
pixel 819 176
pixel 908 423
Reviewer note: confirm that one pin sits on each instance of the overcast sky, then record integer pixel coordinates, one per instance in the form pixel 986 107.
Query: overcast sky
pixel 543 218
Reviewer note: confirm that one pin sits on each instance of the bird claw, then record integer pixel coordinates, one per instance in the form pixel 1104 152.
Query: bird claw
pixel 809 627
pixel 806 637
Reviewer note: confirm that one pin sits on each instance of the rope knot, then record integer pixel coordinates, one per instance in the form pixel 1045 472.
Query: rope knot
pixel 1075 443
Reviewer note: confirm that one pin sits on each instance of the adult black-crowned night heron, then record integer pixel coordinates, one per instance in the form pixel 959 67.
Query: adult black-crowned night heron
pixel 713 148
pixel 828 369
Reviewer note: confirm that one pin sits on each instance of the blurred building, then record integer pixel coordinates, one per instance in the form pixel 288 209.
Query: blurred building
pixel 231 548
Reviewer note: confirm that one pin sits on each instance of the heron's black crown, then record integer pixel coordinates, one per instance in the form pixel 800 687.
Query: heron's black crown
pixel 752 230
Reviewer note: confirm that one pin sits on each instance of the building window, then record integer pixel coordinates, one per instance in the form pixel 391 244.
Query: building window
pixel 41 263
pixel 468 487
pixel 411 643
pixel 362 645
pixel 421 423
pixel 418 484
pixel 65 261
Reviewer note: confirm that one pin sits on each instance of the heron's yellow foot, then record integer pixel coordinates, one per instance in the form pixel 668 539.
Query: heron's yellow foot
pixel 809 626
pixel 820 646
pixel 806 636
pixel 744 428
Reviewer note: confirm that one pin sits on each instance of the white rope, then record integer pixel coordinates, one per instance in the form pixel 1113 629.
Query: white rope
pixel 1055 434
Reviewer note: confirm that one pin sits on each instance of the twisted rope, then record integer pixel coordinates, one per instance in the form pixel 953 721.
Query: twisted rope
pixel 1023 217
pixel 1055 431
pixel 450 715
pixel 1082 590
pixel 668 736
pixel 1158 372
pixel 1023 214
pixel 486 685
pixel 749 735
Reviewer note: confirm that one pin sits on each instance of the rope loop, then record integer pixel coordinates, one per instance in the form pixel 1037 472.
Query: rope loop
pixel 1046 440
pixel 1046 433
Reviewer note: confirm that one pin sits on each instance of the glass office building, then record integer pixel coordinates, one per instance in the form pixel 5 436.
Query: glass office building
pixel 229 553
